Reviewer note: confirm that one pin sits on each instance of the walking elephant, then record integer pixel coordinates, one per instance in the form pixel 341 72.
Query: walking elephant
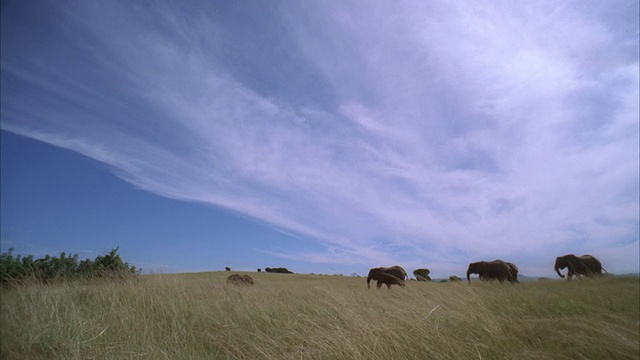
pixel 236 279
pixel 578 265
pixel 388 276
pixel 513 272
pixel 493 270
pixel 422 274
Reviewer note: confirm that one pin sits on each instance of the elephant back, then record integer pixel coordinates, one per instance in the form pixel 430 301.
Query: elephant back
pixel 388 275
pixel 237 279
pixel 591 264
pixel 397 271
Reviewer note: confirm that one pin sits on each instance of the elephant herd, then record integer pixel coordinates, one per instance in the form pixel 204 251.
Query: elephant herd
pixel 502 271
pixel 577 266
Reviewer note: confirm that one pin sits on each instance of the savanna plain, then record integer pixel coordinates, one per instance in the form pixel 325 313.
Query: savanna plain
pixel 284 316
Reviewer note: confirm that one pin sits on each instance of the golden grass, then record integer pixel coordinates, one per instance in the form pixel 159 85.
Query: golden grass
pixel 198 316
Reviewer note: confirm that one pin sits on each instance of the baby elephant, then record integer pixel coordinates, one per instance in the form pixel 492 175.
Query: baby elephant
pixel 387 276
pixel 236 279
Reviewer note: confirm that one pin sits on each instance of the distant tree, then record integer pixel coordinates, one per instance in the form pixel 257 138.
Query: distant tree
pixel 422 274
pixel 280 270
pixel 259 270
pixel 454 278
pixel 227 268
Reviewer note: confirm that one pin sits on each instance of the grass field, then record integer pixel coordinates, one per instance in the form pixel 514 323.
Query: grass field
pixel 197 316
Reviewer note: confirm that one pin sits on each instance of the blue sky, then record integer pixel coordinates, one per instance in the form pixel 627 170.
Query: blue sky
pixel 326 137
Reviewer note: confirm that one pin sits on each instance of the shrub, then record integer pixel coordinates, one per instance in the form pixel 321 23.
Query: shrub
pixel 227 268
pixel 16 269
pixel 280 270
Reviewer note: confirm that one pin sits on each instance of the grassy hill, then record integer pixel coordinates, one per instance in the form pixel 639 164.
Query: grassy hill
pixel 284 316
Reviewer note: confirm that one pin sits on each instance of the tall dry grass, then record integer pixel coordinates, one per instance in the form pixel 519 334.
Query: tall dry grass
pixel 197 316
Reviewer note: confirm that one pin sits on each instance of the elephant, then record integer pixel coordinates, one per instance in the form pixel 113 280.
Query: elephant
pixel 578 265
pixel 422 274
pixel 388 276
pixel 236 279
pixel 493 270
pixel 513 272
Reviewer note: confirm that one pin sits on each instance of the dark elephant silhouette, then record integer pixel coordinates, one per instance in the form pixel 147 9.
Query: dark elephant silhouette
pixel 388 276
pixel 578 265
pixel 236 279
pixel 493 270
pixel 513 272
pixel 422 274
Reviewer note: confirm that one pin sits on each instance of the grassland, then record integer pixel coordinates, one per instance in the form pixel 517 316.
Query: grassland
pixel 197 316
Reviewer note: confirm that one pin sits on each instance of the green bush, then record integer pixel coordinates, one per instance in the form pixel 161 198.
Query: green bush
pixel 14 269
pixel 280 270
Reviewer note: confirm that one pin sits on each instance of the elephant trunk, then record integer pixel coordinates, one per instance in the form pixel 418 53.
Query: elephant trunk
pixel 469 275
pixel 558 271
pixel 369 280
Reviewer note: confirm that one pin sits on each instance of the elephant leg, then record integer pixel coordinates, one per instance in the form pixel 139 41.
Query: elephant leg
pixel 388 286
pixel 379 284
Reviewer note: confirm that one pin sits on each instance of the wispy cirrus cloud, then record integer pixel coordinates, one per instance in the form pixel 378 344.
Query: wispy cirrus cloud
pixel 413 132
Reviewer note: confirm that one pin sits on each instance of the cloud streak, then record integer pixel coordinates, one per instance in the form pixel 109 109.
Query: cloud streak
pixel 429 131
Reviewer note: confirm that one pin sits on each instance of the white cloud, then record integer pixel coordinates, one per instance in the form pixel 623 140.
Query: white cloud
pixel 474 130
